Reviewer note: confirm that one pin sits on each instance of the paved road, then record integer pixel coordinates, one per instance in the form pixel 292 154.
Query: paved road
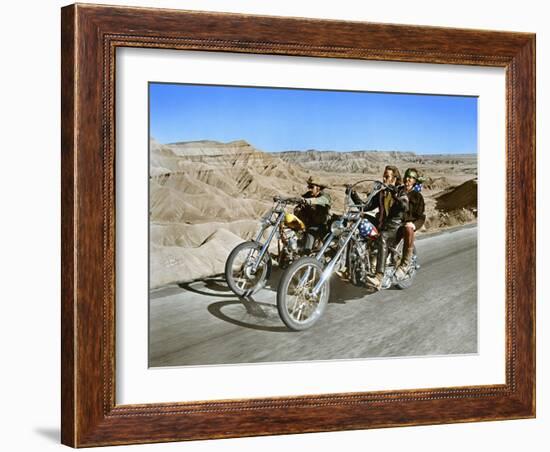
pixel 204 323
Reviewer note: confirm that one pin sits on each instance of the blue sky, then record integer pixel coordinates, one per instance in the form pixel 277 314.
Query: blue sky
pixel 277 119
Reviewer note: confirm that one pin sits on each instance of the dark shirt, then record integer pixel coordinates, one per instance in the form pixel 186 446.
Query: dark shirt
pixel 317 212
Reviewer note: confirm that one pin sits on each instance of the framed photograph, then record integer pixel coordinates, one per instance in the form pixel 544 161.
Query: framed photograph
pixel 282 225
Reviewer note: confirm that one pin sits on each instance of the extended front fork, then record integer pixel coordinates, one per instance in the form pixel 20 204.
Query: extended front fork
pixel 332 264
pixel 265 246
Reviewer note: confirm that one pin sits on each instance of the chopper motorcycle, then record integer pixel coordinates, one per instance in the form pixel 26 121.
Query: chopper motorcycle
pixel 304 289
pixel 249 265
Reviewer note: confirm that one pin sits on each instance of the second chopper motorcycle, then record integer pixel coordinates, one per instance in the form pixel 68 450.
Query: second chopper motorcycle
pixel 304 288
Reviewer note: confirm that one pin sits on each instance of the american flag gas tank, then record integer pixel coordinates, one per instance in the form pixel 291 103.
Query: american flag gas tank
pixel 367 229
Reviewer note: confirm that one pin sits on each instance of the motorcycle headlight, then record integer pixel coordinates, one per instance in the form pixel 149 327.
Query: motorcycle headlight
pixel 337 227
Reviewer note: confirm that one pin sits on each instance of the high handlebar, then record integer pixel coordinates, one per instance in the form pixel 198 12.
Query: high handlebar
pixel 379 186
pixel 350 186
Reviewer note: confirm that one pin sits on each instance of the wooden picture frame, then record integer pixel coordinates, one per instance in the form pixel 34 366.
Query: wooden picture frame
pixel 90 36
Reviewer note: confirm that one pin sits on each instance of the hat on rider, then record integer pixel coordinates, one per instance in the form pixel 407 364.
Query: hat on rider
pixel 413 173
pixel 314 181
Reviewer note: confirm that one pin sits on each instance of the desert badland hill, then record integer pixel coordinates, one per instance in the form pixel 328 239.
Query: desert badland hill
pixel 206 196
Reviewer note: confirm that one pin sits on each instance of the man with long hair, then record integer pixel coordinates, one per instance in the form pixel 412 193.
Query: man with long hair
pixel 392 204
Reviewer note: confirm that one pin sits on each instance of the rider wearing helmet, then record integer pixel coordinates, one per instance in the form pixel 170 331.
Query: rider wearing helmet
pixel 414 218
pixel 314 210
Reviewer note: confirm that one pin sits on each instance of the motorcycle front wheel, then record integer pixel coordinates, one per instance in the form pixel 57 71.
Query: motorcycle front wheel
pixel 239 272
pixel 298 307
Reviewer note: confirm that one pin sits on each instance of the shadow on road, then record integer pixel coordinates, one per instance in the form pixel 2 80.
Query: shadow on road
pixel 342 291
pixel 259 315
pixel 254 310
pixel 216 284
pixel 256 315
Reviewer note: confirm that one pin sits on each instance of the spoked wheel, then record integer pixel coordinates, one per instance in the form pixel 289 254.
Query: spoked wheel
pixel 240 274
pixel 299 308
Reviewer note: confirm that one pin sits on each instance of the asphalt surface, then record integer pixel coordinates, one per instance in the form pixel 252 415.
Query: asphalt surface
pixel 203 322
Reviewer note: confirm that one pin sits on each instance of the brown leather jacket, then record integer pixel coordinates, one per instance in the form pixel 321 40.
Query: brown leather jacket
pixel 415 213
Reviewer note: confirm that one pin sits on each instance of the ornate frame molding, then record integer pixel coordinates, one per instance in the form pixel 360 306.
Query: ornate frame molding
pixel 90 37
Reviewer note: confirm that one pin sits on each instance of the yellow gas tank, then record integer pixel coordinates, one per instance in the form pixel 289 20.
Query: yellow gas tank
pixel 293 222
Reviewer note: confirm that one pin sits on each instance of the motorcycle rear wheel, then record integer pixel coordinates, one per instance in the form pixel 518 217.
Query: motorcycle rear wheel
pixel 238 269
pixel 298 308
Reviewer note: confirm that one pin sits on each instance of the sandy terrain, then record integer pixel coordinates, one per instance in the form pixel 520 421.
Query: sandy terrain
pixel 206 196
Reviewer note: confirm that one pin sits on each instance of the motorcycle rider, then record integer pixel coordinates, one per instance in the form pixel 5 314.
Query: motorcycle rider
pixel 392 204
pixel 413 220
pixel 314 210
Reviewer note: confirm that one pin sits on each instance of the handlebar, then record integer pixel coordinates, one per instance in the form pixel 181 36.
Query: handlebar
pixel 349 187
pixel 378 187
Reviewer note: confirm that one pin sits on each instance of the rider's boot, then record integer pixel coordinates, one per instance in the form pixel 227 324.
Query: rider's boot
pixel 405 264
pixel 375 281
